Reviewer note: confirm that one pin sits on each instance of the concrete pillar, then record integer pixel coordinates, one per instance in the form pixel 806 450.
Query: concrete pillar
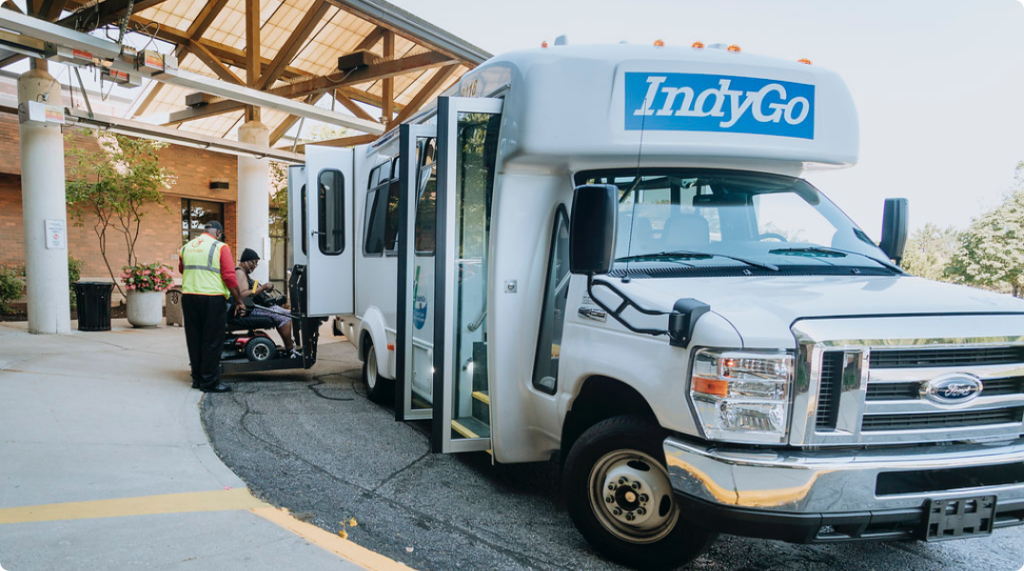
pixel 254 198
pixel 42 200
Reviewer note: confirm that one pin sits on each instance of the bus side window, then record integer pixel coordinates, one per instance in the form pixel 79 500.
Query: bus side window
pixel 373 241
pixel 331 211
pixel 552 317
pixel 391 218
pixel 302 207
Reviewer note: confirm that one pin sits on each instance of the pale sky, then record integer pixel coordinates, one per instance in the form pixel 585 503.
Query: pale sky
pixel 938 84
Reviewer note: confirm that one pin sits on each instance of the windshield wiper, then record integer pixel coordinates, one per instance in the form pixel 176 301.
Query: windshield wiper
pixel 691 254
pixel 836 252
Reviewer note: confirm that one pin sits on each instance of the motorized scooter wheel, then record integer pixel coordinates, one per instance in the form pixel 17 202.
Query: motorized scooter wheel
pixel 260 349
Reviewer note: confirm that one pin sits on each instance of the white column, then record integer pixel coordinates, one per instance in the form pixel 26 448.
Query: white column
pixel 42 199
pixel 254 198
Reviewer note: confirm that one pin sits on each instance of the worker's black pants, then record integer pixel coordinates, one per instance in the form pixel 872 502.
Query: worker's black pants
pixel 205 319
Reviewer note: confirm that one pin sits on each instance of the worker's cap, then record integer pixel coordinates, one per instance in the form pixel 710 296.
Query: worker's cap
pixel 215 225
pixel 249 255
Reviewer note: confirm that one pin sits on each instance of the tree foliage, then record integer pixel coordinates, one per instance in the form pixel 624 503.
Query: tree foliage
pixel 991 252
pixel 114 182
pixel 929 251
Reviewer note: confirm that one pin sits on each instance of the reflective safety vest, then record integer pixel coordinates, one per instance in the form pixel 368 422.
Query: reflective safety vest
pixel 200 259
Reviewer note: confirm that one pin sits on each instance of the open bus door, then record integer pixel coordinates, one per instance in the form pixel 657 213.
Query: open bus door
pixel 320 206
pixel 414 381
pixel 467 146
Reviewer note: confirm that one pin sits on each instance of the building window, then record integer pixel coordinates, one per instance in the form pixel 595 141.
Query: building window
pixel 195 214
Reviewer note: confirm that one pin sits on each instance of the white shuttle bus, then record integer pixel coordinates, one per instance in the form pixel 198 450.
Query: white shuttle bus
pixel 608 252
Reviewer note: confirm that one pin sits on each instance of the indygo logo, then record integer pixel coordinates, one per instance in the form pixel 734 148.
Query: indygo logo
pixel 698 102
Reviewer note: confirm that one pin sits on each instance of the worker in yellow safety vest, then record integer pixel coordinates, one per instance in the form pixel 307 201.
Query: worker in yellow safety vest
pixel 208 278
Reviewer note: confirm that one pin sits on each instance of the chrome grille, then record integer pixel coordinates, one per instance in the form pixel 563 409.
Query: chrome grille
pixel 912 389
pixel 879 422
pixel 959 357
pixel 829 391
pixel 858 381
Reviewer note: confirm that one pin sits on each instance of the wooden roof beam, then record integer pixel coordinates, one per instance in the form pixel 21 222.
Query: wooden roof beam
pixel 374 72
pixel 426 92
pixel 293 44
pixel 94 16
pixel 205 18
pixel 211 61
pixel 342 142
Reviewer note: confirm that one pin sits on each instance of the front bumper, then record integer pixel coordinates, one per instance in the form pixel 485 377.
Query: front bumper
pixel 840 495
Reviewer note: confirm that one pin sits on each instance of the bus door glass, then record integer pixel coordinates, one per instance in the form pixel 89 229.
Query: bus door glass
pixel 414 382
pixel 467 144
pixel 328 234
pixel 297 214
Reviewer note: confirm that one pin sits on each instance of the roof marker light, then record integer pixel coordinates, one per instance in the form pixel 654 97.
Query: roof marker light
pixel 734 48
pixel 804 60
pixel 698 45
pixel 659 44
pixel 543 44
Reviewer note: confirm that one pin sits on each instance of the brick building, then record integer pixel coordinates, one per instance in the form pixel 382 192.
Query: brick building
pixel 189 201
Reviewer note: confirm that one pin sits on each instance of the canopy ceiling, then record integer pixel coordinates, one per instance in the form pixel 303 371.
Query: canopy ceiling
pixel 291 51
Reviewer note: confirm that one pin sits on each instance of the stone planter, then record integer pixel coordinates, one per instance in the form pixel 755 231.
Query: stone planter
pixel 145 308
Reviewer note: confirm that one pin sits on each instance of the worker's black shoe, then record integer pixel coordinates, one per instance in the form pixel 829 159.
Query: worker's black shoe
pixel 218 388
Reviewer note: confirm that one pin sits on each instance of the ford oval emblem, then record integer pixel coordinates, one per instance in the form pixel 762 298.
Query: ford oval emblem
pixel 955 388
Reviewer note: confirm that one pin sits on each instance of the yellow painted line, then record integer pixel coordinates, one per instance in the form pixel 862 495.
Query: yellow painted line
pixel 482 397
pixel 463 430
pixel 236 499
pixel 218 500
pixel 331 542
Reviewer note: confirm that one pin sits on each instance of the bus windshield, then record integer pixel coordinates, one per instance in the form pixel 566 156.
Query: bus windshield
pixel 717 218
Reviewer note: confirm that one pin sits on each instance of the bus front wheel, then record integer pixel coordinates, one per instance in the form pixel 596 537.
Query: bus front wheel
pixel 620 498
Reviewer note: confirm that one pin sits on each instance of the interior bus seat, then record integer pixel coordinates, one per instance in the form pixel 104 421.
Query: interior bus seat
pixel 685 230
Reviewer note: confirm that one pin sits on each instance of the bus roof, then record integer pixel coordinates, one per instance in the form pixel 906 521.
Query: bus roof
pixel 582 106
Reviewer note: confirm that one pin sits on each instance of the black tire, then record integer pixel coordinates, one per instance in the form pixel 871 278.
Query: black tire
pixel 260 349
pixel 655 537
pixel 378 389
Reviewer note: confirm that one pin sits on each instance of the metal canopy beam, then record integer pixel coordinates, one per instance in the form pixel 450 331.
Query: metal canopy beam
pixel 111 51
pixel 409 26
pixel 317 85
pixel 137 129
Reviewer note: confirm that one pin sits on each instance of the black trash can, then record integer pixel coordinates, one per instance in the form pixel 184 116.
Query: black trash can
pixel 93 300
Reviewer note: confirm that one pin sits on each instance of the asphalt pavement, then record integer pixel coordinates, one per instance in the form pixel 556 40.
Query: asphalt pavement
pixel 312 443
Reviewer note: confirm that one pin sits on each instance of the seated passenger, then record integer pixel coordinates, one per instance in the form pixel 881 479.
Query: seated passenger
pixel 252 289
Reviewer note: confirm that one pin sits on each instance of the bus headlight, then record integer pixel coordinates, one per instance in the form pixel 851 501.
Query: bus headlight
pixel 742 396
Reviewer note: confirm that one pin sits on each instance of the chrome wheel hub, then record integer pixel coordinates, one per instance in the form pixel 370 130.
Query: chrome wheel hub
pixel 632 496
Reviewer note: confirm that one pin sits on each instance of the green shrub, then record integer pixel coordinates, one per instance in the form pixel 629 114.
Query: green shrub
pixel 10 288
pixel 74 274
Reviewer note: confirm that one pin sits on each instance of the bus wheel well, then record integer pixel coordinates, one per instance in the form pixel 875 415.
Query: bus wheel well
pixel 364 344
pixel 601 398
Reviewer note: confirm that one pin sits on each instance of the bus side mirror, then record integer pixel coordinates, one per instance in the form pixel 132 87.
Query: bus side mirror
pixel 592 228
pixel 895 219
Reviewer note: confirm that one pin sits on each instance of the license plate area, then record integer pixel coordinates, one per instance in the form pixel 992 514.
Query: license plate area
pixel 960 518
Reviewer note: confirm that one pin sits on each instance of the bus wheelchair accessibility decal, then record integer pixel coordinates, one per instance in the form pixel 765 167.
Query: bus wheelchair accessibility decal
pixel 721 103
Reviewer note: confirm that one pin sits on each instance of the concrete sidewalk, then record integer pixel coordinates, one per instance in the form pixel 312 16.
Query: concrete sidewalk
pixel 104 464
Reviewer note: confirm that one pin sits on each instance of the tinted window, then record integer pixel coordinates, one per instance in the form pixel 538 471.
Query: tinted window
pixel 373 243
pixel 552 317
pixel 331 196
pixel 391 217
